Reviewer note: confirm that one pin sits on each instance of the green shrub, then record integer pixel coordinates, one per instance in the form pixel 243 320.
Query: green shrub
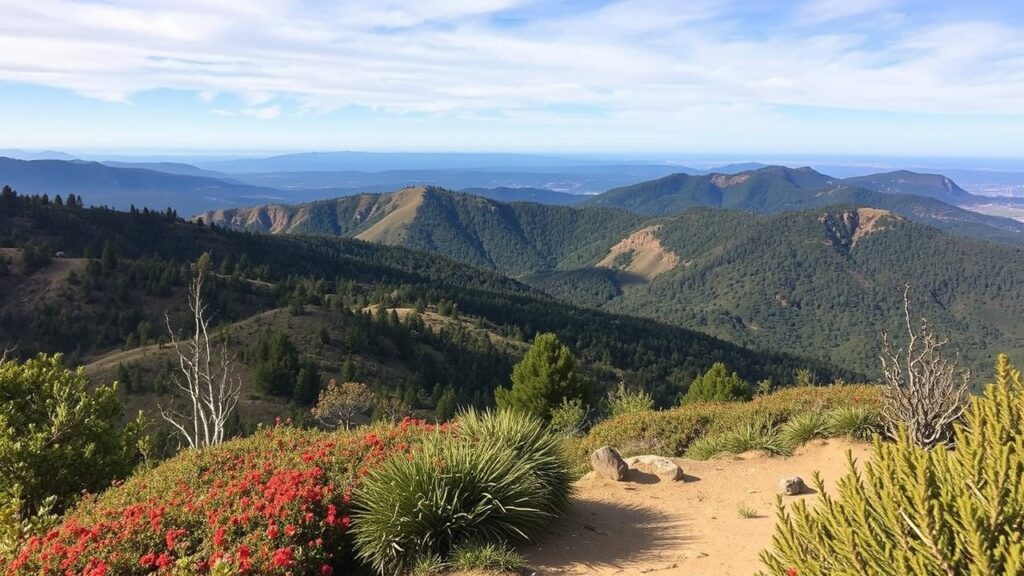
pixel 854 421
pixel 805 427
pixel 494 556
pixel 671 432
pixel 446 494
pixel 569 418
pixel 917 511
pixel 537 448
pixel 759 434
pixel 622 401
pixel 546 376
pixel 58 435
pixel 718 384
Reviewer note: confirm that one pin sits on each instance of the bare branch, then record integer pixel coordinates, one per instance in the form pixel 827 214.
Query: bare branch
pixel 207 377
pixel 923 389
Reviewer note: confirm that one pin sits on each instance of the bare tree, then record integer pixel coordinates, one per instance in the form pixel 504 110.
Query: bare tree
pixel 208 379
pixel 6 351
pixel 923 389
pixel 338 404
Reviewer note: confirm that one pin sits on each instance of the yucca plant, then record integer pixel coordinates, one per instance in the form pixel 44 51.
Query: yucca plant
pixel 536 446
pixel 918 511
pixel 486 557
pixel 447 493
pixel 804 427
pixel 854 422
pixel 757 434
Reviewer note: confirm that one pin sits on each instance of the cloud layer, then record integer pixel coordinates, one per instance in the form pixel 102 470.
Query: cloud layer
pixel 630 62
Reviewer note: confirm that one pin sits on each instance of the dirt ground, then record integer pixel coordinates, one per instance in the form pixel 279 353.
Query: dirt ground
pixel 644 526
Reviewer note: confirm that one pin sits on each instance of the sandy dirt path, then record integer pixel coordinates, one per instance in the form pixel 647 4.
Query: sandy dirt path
pixel 691 527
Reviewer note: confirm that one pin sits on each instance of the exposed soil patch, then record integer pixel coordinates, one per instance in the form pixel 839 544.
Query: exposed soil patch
pixel 690 527
pixel 641 255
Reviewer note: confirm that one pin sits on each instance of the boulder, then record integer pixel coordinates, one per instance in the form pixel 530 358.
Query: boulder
pixel 792 486
pixel 665 469
pixel 607 464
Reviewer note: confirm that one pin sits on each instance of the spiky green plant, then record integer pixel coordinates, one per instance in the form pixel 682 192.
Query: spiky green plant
pixel 804 427
pixel 918 511
pixel 746 511
pixel 854 422
pixel 448 493
pixel 490 556
pixel 757 434
pixel 538 448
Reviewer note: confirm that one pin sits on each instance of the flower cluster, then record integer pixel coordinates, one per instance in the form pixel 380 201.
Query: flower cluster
pixel 274 503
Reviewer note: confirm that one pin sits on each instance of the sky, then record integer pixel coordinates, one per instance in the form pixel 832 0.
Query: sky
pixel 880 77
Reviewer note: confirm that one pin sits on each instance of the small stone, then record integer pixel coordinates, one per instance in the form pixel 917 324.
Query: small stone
pixel 792 486
pixel 607 464
pixel 665 469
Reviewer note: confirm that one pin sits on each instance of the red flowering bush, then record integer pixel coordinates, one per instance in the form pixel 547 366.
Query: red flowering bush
pixel 275 503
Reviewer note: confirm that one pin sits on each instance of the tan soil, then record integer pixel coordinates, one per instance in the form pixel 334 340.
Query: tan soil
pixel 402 207
pixel 690 527
pixel 870 220
pixel 726 180
pixel 648 257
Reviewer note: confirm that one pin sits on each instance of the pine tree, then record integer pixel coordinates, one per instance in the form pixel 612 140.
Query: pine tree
pixel 307 384
pixel 718 384
pixel 546 376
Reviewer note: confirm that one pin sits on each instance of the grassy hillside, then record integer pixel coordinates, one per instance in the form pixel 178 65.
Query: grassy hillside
pixel 129 268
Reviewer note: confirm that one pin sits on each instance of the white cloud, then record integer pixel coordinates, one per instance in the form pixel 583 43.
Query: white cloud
pixel 643 59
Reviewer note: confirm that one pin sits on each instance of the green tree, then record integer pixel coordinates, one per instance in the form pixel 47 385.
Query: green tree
pixel 447 406
pixel 546 376
pixel 58 437
pixel 718 384
pixel 307 384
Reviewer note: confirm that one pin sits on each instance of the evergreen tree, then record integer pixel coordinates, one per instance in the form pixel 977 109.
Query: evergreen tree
pixel 546 376
pixel 718 384
pixel 447 406
pixel 307 384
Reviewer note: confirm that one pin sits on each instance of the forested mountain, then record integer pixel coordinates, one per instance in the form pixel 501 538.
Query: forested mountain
pixel 515 238
pixel 119 271
pixel 776 189
pixel 826 280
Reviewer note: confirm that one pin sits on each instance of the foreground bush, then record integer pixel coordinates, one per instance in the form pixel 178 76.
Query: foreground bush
pixel 275 503
pixel 58 437
pixel 539 449
pixel 446 494
pixel 916 511
pixel 671 432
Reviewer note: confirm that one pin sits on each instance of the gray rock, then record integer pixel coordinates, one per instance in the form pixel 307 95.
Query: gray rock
pixel 665 469
pixel 607 464
pixel 792 486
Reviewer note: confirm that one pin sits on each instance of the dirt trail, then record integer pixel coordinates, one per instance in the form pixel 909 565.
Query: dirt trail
pixel 690 527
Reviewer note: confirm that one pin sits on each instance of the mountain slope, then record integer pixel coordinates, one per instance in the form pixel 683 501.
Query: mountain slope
pixel 906 182
pixel 777 189
pixel 122 187
pixel 515 238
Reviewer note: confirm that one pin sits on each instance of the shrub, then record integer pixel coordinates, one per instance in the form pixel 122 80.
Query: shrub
pixel 746 511
pixel 621 401
pixel 538 448
pixel 546 376
pixel 276 502
pixel 446 494
pixel 671 432
pixel 760 434
pixel 494 556
pixel 717 385
pixel 911 510
pixel 58 436
pixel 853 421
pixel 569 418
pixel 805 427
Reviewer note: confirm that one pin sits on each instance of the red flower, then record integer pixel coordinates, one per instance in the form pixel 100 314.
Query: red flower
pixel 791 571
pixel 283 557
pixel 218 537
pixel 326 570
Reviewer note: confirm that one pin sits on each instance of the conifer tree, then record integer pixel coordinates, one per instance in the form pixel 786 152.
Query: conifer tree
pixel 718 384
pixel 546 376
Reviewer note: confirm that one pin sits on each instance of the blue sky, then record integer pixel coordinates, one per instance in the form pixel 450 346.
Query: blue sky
pixel 880 77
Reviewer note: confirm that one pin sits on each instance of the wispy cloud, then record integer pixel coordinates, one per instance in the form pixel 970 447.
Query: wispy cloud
pixel 641 61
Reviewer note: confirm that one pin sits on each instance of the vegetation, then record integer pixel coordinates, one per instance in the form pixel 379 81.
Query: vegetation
pixel 718 384
pixel 277 502
pixel 622 401
pixel 543 379
pixel 339 403
pixel 569 418
pixel 489 557
pixel 914 510
pixel 59 436
pixel 674 432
